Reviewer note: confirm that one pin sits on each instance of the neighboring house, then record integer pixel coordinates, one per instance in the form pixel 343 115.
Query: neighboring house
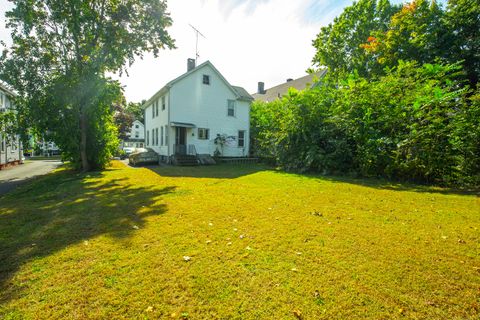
pixel 136 136
pixel 10 145
pixel 187 115
pixel 277 92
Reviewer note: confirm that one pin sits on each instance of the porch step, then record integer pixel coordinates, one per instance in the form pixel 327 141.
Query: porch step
pixel 185 160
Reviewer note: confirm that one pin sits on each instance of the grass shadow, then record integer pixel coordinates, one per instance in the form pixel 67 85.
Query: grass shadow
pixel 378 183
pixel 218 171
pixel 65 208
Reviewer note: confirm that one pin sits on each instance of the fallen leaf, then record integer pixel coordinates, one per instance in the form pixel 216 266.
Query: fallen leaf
pixel 297 314
pixel 187 258
pixel 149 309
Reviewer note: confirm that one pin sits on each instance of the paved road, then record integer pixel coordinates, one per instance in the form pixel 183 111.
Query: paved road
pixel 13 177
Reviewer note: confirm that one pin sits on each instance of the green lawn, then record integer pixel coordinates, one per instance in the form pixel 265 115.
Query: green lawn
pixel 262 245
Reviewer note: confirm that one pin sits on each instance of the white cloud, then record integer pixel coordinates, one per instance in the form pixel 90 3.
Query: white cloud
pixel 247 40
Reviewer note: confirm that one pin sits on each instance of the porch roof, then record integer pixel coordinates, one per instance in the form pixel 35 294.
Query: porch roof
pixel 182 124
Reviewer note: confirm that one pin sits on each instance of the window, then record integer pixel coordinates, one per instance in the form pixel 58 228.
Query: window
pixel 241 138
pixel 163 103
pixel 231 108
pixel 2 144
pixel 153 110
pixel 203 134
pixel 137 134
pixel 161 136
pixel 156 108
pixel 206 79
pixel 148 138
pixel 137 126
pixel 156 137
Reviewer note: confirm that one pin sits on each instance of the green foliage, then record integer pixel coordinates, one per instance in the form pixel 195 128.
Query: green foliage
pixel 462 20
pixel 61 51
pixel 414 123
pixel 64 94
pixel 338 45
pixel 135 109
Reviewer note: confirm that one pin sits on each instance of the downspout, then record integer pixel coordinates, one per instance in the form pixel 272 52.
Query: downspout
pixel 168 124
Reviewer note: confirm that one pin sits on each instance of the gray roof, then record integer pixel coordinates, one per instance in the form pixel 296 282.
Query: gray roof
pixel 240 92
pixel 7 90
pixel 279 91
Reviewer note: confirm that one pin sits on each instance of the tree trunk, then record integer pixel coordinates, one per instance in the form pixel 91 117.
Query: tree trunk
pixel 83 140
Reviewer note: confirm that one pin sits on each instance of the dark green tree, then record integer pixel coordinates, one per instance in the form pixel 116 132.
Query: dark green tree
pixel 462 20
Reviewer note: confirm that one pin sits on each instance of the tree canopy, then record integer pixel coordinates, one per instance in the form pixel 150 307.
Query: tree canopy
pixel 61 51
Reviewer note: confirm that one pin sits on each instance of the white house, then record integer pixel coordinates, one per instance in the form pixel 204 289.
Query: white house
pixel 187 115
pixel 136 136
pixel 11 151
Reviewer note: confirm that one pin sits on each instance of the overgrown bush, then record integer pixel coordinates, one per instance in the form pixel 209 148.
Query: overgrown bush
pixel 415 123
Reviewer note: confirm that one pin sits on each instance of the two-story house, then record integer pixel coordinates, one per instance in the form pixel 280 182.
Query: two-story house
pixel 198 113
pixel 11 151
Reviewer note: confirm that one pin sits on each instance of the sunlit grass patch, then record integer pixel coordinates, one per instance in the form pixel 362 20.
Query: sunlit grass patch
pixel 236 242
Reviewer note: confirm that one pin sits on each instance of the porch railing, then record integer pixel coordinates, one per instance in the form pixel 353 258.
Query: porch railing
pixel 192 151
pixel 180 149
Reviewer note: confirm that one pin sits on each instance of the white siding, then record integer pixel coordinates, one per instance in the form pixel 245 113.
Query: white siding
pixel 10 147
pixel 205 106
pixel 153 123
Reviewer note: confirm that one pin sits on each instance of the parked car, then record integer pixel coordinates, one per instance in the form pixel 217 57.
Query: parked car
pixel 142 155
pixel 126 152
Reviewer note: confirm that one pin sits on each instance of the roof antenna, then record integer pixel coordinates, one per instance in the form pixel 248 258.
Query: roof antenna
pixel 197 32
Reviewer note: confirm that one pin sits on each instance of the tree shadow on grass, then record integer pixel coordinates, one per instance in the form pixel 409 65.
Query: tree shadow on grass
pixel 383 184
pixel 65 208
pixel 218 171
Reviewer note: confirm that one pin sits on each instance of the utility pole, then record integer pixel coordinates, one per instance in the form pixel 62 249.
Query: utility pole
pixel 197 32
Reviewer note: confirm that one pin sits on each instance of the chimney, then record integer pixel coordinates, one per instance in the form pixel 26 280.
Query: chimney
pixel 190 64
pixel 261 88
pixel 289 80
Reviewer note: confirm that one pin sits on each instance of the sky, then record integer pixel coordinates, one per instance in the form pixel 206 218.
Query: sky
pixel 247 40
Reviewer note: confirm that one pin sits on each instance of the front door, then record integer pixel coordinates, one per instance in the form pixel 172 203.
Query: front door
pixel 180 140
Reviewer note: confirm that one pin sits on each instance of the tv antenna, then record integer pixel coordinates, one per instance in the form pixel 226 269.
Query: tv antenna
pixel 197 32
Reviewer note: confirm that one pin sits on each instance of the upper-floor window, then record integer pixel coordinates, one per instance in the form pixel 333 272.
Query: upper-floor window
pixel 156 108
pixel 231 108
pixel 203 134
pixel 153 110
pixel 241 138
pixel 137 126
pixel 206 79
pixel 137 134
pixel 163 103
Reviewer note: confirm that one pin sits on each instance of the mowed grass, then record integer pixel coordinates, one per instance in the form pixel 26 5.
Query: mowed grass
pixel 262 245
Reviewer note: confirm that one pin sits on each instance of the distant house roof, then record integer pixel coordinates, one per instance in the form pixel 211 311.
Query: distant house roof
pixel 240 92
pixel 279 91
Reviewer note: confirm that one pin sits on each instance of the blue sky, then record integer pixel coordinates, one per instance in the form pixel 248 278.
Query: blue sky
pixel 247 40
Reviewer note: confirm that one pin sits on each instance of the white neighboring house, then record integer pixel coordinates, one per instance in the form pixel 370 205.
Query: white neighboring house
pixel 136 136
pixel 188 113
pixel 11 150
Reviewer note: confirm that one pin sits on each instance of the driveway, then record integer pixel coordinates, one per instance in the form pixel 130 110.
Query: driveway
pixel 15 176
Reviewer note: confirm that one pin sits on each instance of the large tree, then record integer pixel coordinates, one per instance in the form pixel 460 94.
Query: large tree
pixel 61 51
pixel 462 20
pixel 338 45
